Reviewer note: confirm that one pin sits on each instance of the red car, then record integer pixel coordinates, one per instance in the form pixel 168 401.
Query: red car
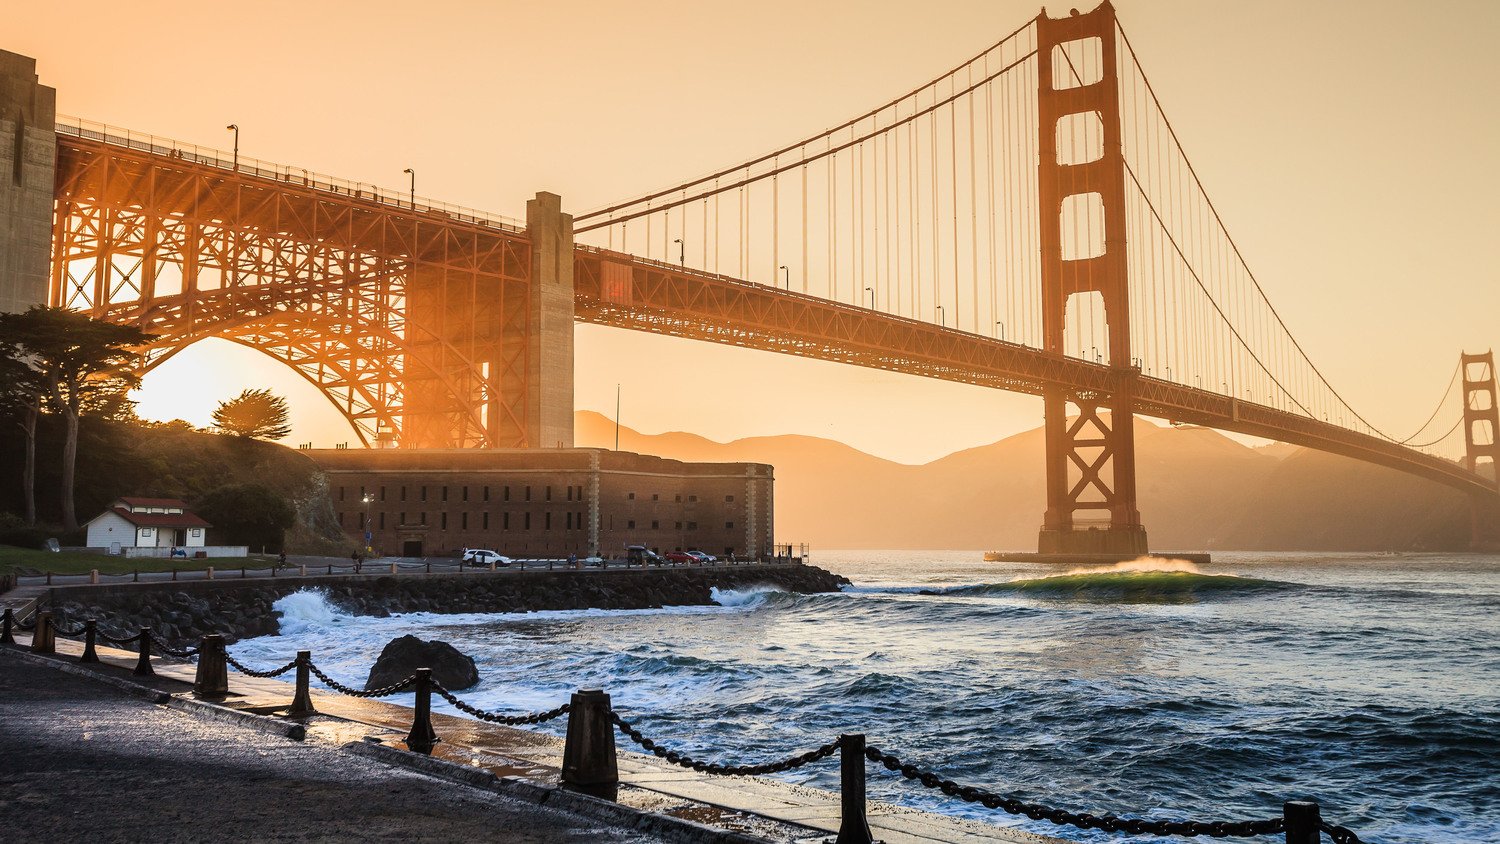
pixel 675 557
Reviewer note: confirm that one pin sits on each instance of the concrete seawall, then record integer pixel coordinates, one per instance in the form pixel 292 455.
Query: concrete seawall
pixel 182 611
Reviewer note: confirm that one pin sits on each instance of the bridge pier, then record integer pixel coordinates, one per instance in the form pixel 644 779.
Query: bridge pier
pixel 28 159
pixel 1090 457
pixel 1481 429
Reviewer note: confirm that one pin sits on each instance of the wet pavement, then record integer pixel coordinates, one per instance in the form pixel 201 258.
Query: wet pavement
pixel 85 761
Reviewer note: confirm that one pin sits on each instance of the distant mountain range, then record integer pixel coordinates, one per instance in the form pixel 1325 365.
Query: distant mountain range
pixel 1199 490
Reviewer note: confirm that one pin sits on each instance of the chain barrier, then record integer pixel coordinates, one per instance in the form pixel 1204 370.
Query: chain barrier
pixel 700 766
pixel 1339 834
pixel 1081 820
pixel 353 692
pixel 113 641
pixel 182 654
pixel 250 672
pixel 509 720
pixel 58 629
pixel 22 625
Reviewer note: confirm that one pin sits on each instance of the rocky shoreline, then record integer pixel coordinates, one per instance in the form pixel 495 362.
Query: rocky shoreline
pixel 180 613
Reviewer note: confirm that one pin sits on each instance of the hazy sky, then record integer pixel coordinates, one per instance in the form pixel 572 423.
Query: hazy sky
pixel 1349 145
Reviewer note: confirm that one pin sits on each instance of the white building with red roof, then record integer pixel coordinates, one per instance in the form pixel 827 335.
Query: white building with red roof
pixel 141 523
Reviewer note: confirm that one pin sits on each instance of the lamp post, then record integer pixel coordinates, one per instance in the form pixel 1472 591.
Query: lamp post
pixel 942 317
pixel 365 526
pixel 681 252
pixel 235 128
pixel 413 174
pixel 1001 324
pixel 788 276
pixel 871 291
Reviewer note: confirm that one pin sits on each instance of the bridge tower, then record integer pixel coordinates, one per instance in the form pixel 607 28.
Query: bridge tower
pixel 28 157
pixel 1481 428
pixel 1091 505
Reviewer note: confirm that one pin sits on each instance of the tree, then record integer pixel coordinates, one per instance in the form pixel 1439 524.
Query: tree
pixel 247 514
pixel 254 414
pixel 21 391
pixel 85 365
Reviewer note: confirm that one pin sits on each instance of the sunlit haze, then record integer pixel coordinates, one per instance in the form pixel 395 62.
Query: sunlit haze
pixel 1349 146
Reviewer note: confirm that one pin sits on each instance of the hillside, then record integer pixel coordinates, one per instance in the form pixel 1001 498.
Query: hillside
pixel 1198 490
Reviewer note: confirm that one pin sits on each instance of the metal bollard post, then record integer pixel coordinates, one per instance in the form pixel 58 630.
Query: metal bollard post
pixel 43 638
pixel 90 637
pixel 210 571
pixel 6 637
pixel 49 578
pixel 302 704
pixel 421 739
pixel 589 752
pixel 330 568
pixel 143 665
pixel 853 828
pixel 212 680
pixel 393 568
pixel 135 576
pixel 93 576
pixel 302 570
pixel 429 567
pixel 1302 821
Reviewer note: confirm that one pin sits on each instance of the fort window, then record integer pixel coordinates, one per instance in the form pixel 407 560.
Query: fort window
pixel 341 493
pixel 655 497
pixel 527 525
pixel 463 521
pixel 728 498
pixel 729 525
pixel 549 492
pixel 570 521
pixel 630 495
pixel 424 492
pixel 570 492
pixel 630 525
pixel 382 493
pixel 445 493
pixel 655 525
pixel 692 498
pixel 528 493
pixel 443 520
pixel 382 520
pixel 505 522
pixel 679 498
pixel 465 490
pixel 547 521
pixel 679 526
pixel 403 492
pixel 692 525
pixel 506 495
pixel 485 520
pixel 424 517
pixel 486 492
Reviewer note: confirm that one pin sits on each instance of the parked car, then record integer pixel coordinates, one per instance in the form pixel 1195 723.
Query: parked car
pixel 482 557
pixel 681 557
pixel 702 556
pixel 641 555
pixel 593 561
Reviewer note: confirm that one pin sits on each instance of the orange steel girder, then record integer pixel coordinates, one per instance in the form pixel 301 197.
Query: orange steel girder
pixel 621 290
pixel 407 320
pixel 1098 451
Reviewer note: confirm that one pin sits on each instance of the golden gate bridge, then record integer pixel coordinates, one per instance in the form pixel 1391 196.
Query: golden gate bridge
pixel 1028 221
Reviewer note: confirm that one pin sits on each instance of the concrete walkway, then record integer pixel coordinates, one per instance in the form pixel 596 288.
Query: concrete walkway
pixel 86 762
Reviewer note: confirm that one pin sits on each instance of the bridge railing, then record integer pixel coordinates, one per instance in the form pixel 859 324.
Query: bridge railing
pixel 390 197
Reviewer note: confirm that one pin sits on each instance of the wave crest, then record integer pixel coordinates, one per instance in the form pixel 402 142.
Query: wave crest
pixel 1148 580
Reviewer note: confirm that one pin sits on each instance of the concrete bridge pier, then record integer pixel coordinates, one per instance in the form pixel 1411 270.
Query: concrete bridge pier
pixel 28 160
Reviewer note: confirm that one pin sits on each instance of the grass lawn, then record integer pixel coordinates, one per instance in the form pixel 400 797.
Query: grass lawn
pixel 28 561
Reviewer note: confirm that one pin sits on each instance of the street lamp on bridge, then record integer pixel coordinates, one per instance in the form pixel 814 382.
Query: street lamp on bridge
pixel 871 291
pixel 681 252
pixel 235 128
pixel 788 276
pixel 942 317
pixel 413 194
pixel 1000 323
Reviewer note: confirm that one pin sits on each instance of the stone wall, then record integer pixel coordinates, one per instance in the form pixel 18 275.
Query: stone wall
pixel 181 612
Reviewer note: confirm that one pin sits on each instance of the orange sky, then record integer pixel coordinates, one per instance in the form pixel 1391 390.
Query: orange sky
pixel 1349 146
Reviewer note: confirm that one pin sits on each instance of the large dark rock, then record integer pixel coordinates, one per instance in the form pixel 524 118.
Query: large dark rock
pixel 405 655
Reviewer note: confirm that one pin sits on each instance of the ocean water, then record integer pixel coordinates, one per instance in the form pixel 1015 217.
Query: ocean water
pixel 1159 689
